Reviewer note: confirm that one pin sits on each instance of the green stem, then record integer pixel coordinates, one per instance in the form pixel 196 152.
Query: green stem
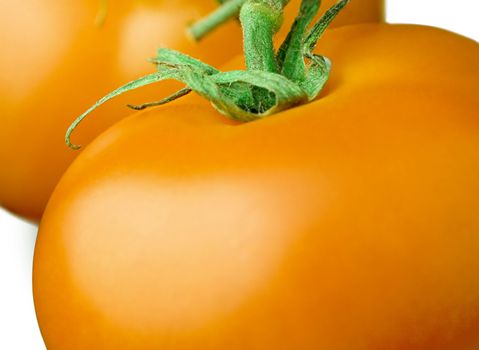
pixel 228 10
pixel 261 20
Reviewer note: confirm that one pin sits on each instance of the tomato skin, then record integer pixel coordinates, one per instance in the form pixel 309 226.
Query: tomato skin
pixel 347 223
pixel 50 73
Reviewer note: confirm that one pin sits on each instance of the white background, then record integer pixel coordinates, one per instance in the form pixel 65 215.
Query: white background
pixel 18 327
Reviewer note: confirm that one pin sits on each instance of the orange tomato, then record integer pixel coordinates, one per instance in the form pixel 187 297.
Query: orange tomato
pixel 55 61
pixel 347 223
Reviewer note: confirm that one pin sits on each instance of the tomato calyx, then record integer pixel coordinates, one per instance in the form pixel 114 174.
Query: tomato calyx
pixel 274 81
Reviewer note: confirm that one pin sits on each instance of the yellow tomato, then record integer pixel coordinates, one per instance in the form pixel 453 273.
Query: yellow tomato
pixel 348 223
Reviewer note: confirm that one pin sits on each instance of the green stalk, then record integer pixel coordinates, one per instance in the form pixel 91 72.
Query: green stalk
pixel 224 13
pixel 260 21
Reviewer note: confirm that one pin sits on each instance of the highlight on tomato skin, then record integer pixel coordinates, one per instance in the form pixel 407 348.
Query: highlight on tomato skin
pixel 67 59
pixel 346 223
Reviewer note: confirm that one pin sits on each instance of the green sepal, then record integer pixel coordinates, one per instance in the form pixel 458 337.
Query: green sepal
pixel 293 76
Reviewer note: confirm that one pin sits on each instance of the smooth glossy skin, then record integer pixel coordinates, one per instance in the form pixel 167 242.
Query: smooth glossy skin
pixel 63 63
pixel 348 223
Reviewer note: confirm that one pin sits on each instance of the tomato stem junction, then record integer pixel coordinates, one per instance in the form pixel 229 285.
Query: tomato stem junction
pixel 221 15
pixel 274 81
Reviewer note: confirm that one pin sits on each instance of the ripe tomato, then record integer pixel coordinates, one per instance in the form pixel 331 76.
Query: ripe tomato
pixel 347 223
pixel 55 61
